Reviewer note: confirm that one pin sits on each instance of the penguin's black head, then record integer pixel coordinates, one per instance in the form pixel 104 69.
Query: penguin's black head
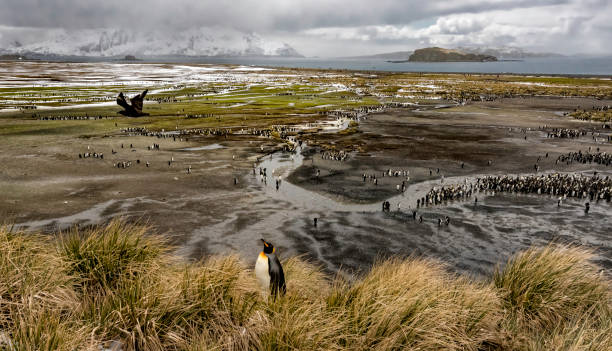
pixel 268 247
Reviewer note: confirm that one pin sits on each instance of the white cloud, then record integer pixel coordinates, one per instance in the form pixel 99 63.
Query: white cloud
pixel 582 26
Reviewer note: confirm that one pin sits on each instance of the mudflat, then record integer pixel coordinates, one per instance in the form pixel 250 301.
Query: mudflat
pixel 199 180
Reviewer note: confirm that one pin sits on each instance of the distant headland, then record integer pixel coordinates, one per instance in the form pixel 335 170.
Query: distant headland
pixel 436 54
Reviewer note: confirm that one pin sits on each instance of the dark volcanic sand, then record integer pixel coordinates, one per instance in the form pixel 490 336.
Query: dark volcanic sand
pixel 205 213
pixel 353 236
pixel 444 139
pixel 479 237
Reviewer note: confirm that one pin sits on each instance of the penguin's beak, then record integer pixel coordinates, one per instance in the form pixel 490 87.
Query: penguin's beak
pixel 264 242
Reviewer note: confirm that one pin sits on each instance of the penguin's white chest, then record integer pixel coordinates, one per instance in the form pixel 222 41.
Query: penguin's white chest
pixel 261 271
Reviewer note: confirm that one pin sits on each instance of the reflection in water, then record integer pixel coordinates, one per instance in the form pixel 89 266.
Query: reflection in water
pixel 479 236
pixel 205 147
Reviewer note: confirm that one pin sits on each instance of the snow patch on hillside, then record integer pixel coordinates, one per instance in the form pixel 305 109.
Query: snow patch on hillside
pixel 202 41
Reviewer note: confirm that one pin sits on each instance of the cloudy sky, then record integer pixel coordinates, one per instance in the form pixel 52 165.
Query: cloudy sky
pixel 336 27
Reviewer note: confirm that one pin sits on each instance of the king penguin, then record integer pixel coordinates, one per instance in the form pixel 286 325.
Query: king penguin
pixel 269 271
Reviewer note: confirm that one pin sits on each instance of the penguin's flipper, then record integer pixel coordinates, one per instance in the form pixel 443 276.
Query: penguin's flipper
pixel 277 276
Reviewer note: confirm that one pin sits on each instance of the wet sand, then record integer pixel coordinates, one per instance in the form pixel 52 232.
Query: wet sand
pixel 204 212
pixel 353 235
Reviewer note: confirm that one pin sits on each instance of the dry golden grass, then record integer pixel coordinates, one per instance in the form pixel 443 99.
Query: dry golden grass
pixel 117 283
pixel 37 297
pixel 556 298
pixel 415 303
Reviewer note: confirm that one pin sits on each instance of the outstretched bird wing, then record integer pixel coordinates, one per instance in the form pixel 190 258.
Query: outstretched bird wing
pixel 121 102
pixel 137 101
pixel 277 276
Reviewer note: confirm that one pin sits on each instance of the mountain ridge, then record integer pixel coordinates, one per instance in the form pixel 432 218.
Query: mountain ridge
pixel 117 42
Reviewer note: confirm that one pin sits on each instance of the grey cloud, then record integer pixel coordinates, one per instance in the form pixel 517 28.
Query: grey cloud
pixel 330 27
pixel 240 14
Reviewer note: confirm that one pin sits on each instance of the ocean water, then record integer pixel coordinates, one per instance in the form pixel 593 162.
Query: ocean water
pixel 553 65
pixel 569 65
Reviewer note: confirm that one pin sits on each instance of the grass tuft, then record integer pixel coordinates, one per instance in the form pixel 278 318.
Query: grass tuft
pixel 416 304
pixel 102 256
pixel 36 296
pixel 117 285
pixel 555 296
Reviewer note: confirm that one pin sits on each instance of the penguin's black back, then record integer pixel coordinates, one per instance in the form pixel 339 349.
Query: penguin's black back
pixel 277 276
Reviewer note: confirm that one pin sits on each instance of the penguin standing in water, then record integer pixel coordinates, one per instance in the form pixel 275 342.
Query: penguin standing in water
pixel 269 271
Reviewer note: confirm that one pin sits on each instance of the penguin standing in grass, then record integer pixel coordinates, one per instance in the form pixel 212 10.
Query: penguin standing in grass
pixel 269 271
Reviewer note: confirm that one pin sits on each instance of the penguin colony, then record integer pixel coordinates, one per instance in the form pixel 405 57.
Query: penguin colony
pixel 566 185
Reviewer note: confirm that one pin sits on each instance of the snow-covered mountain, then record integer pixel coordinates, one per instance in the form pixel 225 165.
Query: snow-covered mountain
pixel 116 42
pixel 505 52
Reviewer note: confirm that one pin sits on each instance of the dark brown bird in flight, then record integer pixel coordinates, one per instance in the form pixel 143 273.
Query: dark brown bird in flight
pixel 135 108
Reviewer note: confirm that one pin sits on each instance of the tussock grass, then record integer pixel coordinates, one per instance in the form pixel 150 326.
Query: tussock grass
pixel 555 297
pixel 102 256
pixel 415 303
pixel 36 296
pixel 118 283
